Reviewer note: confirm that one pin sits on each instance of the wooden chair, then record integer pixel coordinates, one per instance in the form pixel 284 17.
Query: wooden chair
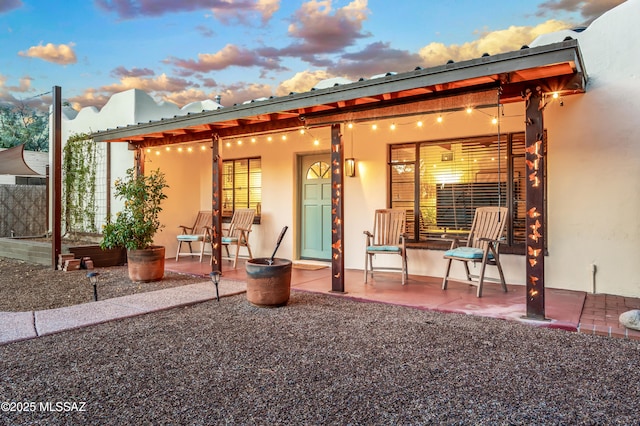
pixel 388 237
pixel 481 246
pixel 195 233
pixel 237 234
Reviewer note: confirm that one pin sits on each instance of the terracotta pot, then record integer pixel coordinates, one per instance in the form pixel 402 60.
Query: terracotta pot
pixel 146 265
pixel 268 285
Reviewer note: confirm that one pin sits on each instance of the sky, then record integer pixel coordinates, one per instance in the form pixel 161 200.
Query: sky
pixel 183 51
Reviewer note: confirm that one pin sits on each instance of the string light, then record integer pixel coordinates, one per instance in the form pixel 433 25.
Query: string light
pixel 284 136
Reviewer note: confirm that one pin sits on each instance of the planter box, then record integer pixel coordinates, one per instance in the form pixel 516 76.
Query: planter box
pixel 100 257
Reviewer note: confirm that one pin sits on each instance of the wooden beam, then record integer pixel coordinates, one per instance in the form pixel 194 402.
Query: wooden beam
pixel 535 208
pixel 216 206
pixel 56 243
pixel 407 108
pixel 337 210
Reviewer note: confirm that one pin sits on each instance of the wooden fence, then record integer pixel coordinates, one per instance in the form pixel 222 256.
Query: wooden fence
pixel 23 210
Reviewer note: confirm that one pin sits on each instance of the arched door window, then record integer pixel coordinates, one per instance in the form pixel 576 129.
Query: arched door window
pixel 319 170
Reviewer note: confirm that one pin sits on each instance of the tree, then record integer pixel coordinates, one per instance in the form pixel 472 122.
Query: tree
pixel 20 124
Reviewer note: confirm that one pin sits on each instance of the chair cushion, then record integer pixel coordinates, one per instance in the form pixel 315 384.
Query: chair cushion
pixel 189 237
pixel 229 239
pixel 471 253
pixel 391 249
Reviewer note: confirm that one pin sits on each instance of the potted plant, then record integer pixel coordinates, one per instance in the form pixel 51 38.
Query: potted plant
pixel 137 223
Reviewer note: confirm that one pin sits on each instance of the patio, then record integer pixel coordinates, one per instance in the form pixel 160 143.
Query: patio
pixel 568 310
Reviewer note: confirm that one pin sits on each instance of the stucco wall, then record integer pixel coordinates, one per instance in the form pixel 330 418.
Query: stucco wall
pixel 592 164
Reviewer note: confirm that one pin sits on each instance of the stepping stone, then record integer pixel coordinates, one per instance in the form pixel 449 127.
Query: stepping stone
pixel 631 319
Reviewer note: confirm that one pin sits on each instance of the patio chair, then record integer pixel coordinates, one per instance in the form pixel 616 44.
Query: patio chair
pixel 388 237
pixel 481 246
pixel 195 233
pixel 237 234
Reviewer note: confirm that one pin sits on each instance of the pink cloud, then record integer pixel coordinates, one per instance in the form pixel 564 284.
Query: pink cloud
pixel 589 9
pixel 8 5
pixel 128 9
pixel 376 58
pixel 62 54
pixel 321 31
pixel 133 72
pixel 228 56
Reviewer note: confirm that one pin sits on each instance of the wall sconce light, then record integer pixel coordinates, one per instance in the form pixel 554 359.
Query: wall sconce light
pixel 350 167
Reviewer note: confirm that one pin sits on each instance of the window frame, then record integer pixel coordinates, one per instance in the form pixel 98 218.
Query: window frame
pixel 226 214
pixel 511 245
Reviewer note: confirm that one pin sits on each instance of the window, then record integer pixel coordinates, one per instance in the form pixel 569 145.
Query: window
pixel 441 183
pixel 241 185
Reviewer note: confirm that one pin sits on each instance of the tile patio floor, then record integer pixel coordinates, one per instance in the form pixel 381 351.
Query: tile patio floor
pixel 569 310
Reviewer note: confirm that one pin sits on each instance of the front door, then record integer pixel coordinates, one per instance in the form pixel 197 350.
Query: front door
pixel 315 211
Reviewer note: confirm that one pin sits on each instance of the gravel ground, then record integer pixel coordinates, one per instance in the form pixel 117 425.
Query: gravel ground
pixel 29 287
pixel 319 360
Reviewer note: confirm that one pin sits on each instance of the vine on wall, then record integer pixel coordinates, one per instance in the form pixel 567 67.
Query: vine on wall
pixel 79 167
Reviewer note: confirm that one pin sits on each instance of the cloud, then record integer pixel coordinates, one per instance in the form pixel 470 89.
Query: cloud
pixel 9 5
pixel 186 96
pixel 320 31
pixel 159 86
pixel 230 14
pixel 493 43
pixel 589 9
pixel 228 56
pixel 205 31
pixel 302 82
pixel 40 102
pixel 62 54
pixel 133 72
pixel 225 10
pixel 376 58
pixel 241 92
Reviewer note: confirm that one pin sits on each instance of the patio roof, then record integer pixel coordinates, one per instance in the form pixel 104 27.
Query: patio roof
pixel 555 67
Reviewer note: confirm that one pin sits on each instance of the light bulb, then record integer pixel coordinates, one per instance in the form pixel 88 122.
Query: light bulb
pixel 439 119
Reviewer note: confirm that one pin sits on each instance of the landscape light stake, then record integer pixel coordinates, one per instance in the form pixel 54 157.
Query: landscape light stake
pixel 215 277
pixel 93 280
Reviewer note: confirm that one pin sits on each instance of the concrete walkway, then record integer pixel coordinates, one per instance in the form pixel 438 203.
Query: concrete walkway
pixel 16 326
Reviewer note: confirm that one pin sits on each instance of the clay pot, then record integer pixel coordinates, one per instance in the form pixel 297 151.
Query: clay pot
pixel 268 285
pixel 146 265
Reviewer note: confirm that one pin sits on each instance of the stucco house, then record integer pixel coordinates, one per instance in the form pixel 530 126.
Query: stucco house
pixel 549 127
